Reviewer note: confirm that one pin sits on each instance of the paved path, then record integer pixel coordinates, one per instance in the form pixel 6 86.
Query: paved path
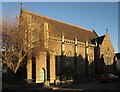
pixel 91 86
pixel 94 86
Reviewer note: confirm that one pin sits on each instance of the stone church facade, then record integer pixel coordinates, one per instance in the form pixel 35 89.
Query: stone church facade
pixel 62 49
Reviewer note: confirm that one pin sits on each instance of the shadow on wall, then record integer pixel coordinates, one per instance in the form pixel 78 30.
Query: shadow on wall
pixel 67 68
pixel 78 68
pixel 73 67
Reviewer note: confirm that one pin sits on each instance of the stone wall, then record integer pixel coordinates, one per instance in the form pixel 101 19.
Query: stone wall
pixel 107 50
pixel 41 64
pixel 69 54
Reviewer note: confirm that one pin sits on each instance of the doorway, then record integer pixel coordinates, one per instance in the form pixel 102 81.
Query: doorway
pixel 42 75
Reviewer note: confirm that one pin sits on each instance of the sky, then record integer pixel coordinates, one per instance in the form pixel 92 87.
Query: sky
pixel 59 0
pixel 97 16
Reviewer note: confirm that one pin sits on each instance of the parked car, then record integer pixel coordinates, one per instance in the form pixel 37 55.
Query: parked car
pixel 108 77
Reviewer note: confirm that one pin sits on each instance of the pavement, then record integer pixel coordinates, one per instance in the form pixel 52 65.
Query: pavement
pixel 24 87
pixel 93 86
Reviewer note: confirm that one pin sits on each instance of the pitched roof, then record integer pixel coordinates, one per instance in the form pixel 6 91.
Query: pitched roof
pixel 69 30
pixel 99 40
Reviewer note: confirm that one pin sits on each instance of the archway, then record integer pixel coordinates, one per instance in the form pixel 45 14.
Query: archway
pixel 42 75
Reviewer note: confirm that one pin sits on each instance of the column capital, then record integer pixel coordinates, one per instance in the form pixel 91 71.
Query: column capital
pixel 63 38
pixel 75 40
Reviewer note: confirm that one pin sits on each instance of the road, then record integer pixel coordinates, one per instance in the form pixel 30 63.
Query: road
pixel 93 86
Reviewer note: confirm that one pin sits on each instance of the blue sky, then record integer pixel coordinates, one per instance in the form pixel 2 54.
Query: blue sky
pixel 90 15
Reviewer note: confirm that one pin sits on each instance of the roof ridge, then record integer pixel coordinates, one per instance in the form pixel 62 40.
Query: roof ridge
pixel 57 20
pixel 101 36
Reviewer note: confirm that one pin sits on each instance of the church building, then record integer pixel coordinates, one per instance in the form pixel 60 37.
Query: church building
pixel 63 50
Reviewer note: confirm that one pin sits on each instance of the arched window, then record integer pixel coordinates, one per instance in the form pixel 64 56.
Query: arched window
pixel 91 58
pixel 108 57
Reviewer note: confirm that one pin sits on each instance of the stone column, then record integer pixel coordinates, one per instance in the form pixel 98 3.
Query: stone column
pixel 75 44
pixel 62 57
pixel 29 68
pixel 52 68
pixel 63 46
pixel 87 59
pixel 75 63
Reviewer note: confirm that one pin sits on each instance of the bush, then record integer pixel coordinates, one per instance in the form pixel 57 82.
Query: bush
pixel 47 83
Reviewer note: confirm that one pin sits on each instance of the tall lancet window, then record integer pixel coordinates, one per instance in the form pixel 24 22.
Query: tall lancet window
pixel 46 35
pixel 108 57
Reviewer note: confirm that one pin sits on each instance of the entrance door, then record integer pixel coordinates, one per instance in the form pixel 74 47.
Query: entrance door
pixel 42 75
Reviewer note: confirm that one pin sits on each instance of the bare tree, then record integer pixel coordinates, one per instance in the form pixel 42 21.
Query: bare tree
pixel 22 36
pixel 16 42
pixel 13 47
